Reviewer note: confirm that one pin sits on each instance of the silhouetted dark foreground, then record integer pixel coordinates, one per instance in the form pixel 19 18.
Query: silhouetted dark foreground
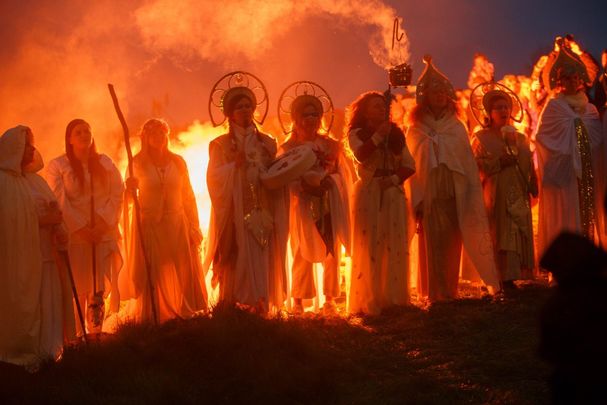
pixel 467 351
pixel 574 321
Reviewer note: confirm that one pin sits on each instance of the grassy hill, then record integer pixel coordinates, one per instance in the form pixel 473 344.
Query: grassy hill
pixel 467 351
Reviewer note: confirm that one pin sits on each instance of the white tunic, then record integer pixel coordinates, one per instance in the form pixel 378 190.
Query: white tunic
pixel 75 203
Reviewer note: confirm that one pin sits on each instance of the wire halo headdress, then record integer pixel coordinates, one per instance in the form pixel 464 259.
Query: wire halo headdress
pixel 234 80
pixel 477 104
pixel 305 88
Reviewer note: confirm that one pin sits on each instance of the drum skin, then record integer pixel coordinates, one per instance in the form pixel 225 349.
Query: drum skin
pixel 288 167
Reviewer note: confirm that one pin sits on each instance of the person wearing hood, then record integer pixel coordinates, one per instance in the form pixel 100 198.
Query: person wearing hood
pixel 446 192
pixel 31 296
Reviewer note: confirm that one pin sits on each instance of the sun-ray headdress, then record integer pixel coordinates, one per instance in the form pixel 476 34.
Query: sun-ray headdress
pixel 482 97
pixel 297 96
pixel 231 87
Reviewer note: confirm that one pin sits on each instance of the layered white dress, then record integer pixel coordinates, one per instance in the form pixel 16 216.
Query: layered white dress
pixel 20 258
pixel 75 203
pixel 58 322
pixel 249 224
pixel 380 243
pixel 319 220
pixel 169 218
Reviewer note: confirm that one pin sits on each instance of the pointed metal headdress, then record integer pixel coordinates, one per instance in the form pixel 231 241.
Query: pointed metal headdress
pixel 563 62
pixel 432 78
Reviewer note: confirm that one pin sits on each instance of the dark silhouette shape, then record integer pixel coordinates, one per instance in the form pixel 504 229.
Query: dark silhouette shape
pixel 574 321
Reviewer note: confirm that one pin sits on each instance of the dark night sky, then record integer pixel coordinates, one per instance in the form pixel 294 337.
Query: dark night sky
pixel 511 33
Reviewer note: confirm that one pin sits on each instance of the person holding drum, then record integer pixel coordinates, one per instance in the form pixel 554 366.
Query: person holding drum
pixel 248 229
pixel 319 213
pixel 380 253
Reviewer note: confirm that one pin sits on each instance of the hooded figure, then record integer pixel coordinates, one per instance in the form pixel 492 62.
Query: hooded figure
pixel 446 192
pixel 20 255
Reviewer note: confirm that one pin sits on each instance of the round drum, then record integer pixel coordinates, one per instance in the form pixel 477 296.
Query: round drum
pixel 289 166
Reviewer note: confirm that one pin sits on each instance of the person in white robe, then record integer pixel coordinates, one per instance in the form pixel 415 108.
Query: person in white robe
pixel 446 192
pixel 319 213
pixel 571 158
pixel 58 322
pixel 170 232
pixel 380 243
pixel 23 339
pixel 89 190
pixel 249 224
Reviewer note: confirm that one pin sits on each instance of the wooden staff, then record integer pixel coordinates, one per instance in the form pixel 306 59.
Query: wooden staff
pixel 93 245
pixel 129 154
pixel 66 260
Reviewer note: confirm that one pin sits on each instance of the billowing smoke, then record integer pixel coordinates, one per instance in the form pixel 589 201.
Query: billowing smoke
pixel 234 29
pixel 59 69
pixel 162 56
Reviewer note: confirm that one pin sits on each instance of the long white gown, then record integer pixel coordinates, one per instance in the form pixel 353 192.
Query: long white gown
pixel 380 240
pixel 560 167
pixel 75 203
pixel 56 295
pixel 446 184
pixel 247 252
pixel 20 258
pixel 319 218
pixel 169 216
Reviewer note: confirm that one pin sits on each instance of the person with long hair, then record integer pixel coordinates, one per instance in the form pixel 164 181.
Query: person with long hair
pixel 509 181
pixel 89 190
pixel 446 192
pixel 32 306
pixel 570 142
pixel 249 223
pixel 319 214
pixel 169 229
pixel 380 245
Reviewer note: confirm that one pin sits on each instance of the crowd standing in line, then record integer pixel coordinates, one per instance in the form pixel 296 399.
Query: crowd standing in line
pixel 466 192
